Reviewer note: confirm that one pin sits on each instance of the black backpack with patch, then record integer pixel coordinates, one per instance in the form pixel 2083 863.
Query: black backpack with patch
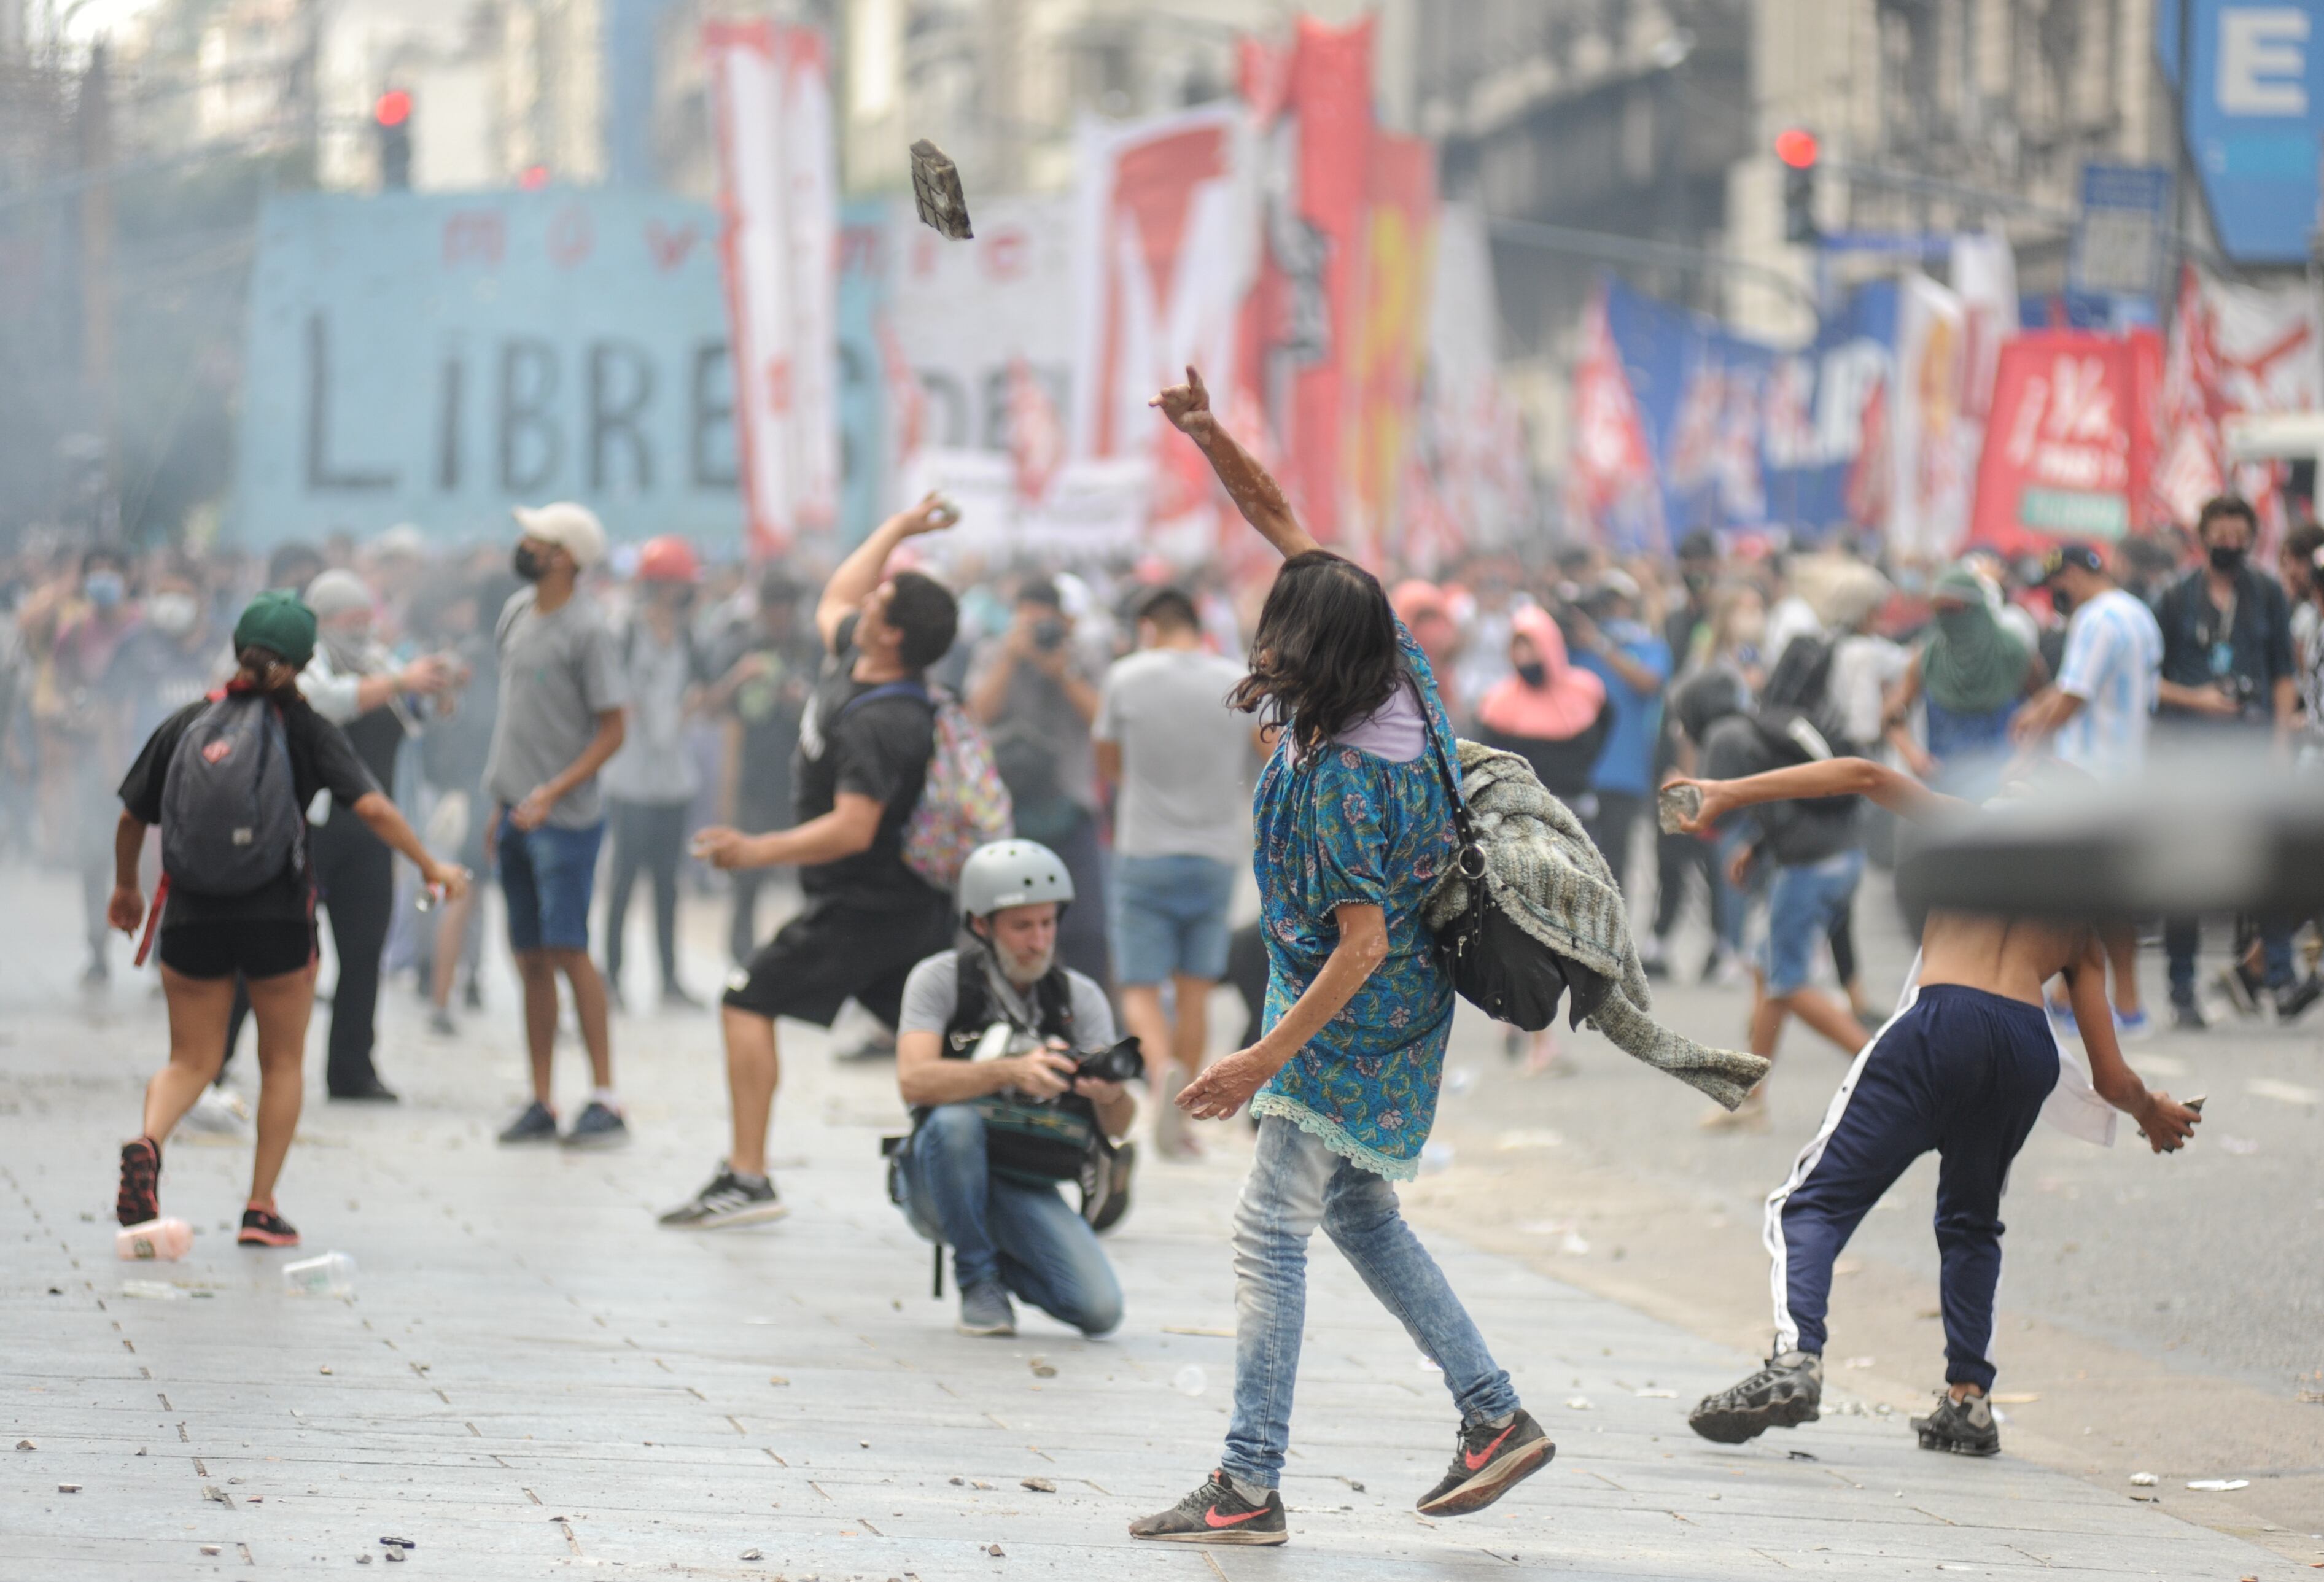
pixel 231 822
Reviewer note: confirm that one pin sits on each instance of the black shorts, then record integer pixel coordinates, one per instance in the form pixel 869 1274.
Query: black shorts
pixel 261 948
pixel 833 952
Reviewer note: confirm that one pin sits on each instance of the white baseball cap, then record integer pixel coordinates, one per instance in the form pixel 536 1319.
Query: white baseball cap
pixel 571 526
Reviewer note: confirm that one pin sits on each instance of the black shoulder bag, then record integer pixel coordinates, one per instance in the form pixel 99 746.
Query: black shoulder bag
pixel 1494 964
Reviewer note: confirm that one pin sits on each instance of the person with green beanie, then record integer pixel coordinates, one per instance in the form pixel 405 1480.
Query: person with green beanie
pixel 1972 673
pixel 228 779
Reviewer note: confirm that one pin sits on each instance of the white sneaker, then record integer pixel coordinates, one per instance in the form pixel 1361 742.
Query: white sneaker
pixel 219 1111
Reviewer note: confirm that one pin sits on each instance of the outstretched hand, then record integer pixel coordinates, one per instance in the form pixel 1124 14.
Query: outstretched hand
pixel 1188 407
pixel 1716 803
pixel 933 514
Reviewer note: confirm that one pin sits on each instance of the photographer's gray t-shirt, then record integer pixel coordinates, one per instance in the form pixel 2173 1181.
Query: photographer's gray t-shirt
pixel 932 993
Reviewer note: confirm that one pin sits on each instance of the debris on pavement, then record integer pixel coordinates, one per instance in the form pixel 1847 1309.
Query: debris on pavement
pixel 994 1550
pixel 67 1488
pixel 1042 1369
pixel 2218 1485
pixel 26 1445
pixel 752 1554
pixel 1039 1486
pixel 2143 1480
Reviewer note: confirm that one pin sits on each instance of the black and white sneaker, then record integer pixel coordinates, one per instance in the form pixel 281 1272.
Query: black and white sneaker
pixel 538 1123
pixel 1786 1393
pixel 1488 1461
pixel 600 1126
pixel 1964 1427
pixel 1216 1514
pixel 728 1200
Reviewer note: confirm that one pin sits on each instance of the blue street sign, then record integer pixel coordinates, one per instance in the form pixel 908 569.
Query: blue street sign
pixel 2255 102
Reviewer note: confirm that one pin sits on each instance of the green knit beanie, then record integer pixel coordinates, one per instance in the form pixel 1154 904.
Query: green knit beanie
pixel 277 622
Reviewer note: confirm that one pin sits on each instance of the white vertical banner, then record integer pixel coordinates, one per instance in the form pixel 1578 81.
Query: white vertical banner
pixel 1164 248
pixel 778 189
pixel 1930 437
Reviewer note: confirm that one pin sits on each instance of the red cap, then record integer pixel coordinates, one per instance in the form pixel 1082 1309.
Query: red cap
pixel 667 559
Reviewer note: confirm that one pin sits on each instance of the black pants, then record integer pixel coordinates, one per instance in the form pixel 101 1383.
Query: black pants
pixel 1609 831
pixel 1675 856
pixel 648 837
pixel 355 874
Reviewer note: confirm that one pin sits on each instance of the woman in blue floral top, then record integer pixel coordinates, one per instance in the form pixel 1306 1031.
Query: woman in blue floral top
pixel 1354 825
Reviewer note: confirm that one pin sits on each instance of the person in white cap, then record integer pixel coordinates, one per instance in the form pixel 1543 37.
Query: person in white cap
pixel 560 719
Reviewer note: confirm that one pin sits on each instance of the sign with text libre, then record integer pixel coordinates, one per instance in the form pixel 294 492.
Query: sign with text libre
pixel 2254 98
pixel 437 359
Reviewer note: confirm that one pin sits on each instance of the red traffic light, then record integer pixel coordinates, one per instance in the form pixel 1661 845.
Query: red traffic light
pixel 1796 147
pixel 393 108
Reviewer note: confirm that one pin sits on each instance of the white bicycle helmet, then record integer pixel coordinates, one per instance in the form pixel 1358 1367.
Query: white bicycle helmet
pixel 1012 873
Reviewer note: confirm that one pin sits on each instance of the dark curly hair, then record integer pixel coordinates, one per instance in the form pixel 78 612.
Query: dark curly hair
pixel 925 612
pixel 1326 655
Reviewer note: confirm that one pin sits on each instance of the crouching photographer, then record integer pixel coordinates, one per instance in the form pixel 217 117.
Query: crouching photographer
pixel 998 1052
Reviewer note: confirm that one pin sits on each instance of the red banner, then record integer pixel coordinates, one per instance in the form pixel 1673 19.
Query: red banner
pixel 2070 443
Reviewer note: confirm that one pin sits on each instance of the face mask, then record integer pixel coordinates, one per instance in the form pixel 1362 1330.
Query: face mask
pixel 528 563
pixel 1956 624
pixel 1533 673
pixel 104 588
pixel 2062 600
pixel 2228 557
pixel 1698 581
pixel 172 614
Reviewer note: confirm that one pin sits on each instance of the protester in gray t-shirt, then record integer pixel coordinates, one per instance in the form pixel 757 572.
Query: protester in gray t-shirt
pixel 560 676
pixel 560 720
pixel 1181 836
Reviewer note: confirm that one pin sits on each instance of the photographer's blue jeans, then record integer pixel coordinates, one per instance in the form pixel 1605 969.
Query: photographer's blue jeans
pixel 1027 1236
pixel 1295 1184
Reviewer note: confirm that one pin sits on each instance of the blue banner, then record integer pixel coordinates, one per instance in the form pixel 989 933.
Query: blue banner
pixel 1748 436
pixel 438 359
pixel 2255 112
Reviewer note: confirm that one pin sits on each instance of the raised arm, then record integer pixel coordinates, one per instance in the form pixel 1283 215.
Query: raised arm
pixel 1254 492
pixel 867 562
pixel 1838 776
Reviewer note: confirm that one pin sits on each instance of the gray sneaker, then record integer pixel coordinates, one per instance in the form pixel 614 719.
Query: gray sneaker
pixel 538 1123
pixel 985 1309
pixel 1786 1393
pixel 597 1127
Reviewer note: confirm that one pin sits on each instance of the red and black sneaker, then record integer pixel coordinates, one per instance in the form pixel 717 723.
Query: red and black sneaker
pixel 265 1227
pixel 1215 1513
pixel 1488 1461
pixel 140 1197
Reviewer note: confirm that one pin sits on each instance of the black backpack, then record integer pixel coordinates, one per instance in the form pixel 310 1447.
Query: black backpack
pixel 231 821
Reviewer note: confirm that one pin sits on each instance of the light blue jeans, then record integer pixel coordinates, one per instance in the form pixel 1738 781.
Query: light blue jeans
pixel 1027 1236
pixel 1295 1184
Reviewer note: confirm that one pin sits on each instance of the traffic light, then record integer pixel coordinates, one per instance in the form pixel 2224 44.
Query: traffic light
pixel 1796 148
pixel 391 120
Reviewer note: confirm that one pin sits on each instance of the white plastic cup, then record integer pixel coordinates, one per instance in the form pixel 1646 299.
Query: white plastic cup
pixel 331 1274
pixel 156 1240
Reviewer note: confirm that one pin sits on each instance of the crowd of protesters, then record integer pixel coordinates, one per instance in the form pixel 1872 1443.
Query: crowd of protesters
pixel 1605 672
pixel 573 704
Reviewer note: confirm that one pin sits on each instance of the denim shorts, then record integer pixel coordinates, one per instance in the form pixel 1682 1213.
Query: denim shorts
pixel 1170 918
pixel 547 875
pixel 1803 904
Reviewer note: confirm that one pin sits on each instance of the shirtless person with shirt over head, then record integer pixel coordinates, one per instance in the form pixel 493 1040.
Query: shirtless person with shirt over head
pixel 1963 1068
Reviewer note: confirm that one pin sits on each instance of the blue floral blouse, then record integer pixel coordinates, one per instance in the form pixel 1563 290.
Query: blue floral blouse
pixel 1344 827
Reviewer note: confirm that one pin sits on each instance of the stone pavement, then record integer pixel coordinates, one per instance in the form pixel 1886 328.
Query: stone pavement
pixel 532 1378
